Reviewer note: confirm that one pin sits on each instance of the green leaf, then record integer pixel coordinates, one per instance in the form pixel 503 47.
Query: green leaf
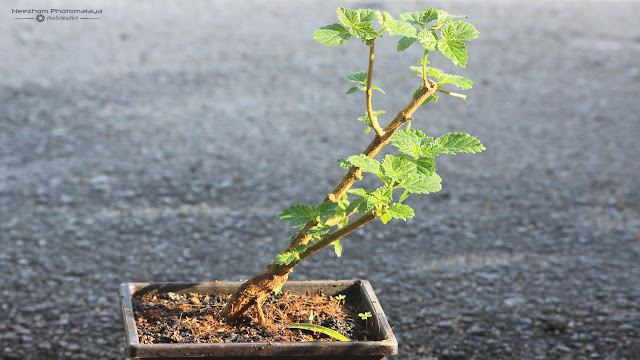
pixel 344 163
pixel 396 167
pixel 428 39
pixel 324 210
pixel 459 30
pixel 404 43
pixel 337 248
pixel 364 30
pixel 396 27
pixel 377 88
pixel 317 328
pixel 296 214
pixel 354 89
pixel 385 218
pixel 358 77
pixel 332 35
pixel 368 15
pixel 455 50
pixel 423 184
pixel 400 211
pixel 443 17
pixel 278 288
pixel 365 119
pixel 359 204
pixel 422 166
pixel 318 231
pixel 366 163
pixel 437 73
pixel 459 81
pixel 402 28
pixel 421 18
pixel 413 142
pixel 348 17
pixel 456 142
pixel 378 198
pixel 290 256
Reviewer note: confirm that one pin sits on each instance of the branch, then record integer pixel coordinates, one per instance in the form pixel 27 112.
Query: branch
pixel 371 151
pixel 338 234
pixel 374 121
pixel 461 96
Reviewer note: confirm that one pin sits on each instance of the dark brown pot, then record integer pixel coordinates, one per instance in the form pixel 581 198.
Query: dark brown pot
pixel 384 344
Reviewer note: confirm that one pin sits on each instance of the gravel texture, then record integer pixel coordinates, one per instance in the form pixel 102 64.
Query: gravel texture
pixel 160 142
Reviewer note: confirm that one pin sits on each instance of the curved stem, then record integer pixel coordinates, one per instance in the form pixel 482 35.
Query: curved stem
pixel 424 68
pixel 374 121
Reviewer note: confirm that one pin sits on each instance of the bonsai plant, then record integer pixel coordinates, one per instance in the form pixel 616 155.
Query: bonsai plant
pixel 412 171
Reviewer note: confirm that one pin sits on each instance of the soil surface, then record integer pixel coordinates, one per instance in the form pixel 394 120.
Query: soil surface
pixel 191 318
pixel 159 143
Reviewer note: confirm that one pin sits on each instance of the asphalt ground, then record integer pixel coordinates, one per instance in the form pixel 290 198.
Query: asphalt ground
pixel 160 141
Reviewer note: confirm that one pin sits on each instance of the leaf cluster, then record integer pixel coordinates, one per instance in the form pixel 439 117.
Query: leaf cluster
pixel 434 29
pixel 413 170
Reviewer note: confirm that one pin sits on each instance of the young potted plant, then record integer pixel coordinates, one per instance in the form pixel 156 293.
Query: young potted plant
pixel 259 304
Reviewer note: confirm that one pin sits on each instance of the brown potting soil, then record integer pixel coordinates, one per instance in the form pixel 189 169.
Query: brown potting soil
pixel 191 318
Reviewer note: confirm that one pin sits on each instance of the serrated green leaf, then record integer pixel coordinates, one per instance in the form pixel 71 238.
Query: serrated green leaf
pixel 459 81
pixel 359 205
pixel 378 198
pixel 443 17
pixel 396 27
pixel 344 163
pixel 456 142
pixel 407 134
pixel 377 88
pixel 404 43
pixel 437 73
pixel 421 17
pixel 400 27
pixel 455 50
pixel 417 69
pixel 361 192
pixel 459 30
pixel 337 248
pixel 348 17
pixel 428 38
pixel 296 214
pixel 396 167
pixel 319 231
pixel 354 90
pixel 291 255
pixel 412 142
pixel 321 329
pixel 364 30
pixel 332 35
pixel 423 184
pixel 422 166
pixel 366 163
pixel 385 218
pixel 400 211
pixel 368 14
pixel 324 210
pixel 358 77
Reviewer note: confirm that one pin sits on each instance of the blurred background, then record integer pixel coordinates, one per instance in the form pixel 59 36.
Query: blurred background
pixel 158 142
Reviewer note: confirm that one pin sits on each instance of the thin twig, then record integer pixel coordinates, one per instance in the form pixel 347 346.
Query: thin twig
pixel 461 96
pixel 374 121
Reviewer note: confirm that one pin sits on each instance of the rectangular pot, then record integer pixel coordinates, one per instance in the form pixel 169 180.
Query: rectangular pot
pixel 384 344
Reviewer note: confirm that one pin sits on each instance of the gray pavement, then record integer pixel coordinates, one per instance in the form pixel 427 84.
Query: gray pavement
pixel 159 142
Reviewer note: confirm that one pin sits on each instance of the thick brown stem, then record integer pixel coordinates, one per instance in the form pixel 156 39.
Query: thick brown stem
pixel 256 290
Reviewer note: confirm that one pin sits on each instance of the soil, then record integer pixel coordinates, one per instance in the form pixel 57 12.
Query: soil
pixel 191 318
